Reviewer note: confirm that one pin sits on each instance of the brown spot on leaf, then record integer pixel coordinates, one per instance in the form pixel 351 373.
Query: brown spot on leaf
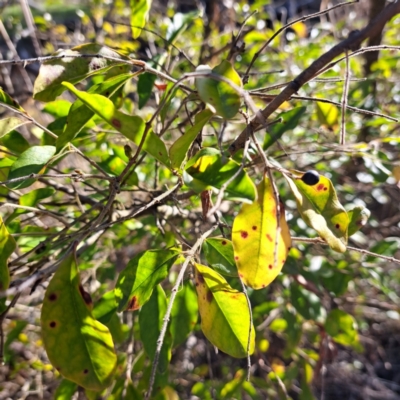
pixel 241 275
pixel 209 296
pixel 116 122
pixel 269 237
pixel 223 242
pixel 263 286
pixel 236 258
pixel 337 226
pixel 200 278
pixel 289 248
pixel 270 266
pixel 53 324
pixel 244 234
pixel 160 153
pixel 254 228
pixel 133 304
pixel 320 187
pixel 85 295
pixel 107 93
pixel 52 296
pixel 85 371
pixel 325 189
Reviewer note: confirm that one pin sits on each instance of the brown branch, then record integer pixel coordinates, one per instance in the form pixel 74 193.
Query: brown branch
pixel 351 43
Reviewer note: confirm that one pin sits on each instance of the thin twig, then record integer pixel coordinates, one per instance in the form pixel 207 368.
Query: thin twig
pixel 342 140
pixel 301 19
pixel 167 315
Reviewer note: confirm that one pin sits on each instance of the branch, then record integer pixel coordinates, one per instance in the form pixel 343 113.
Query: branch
pixel 351 43
pixel 174 292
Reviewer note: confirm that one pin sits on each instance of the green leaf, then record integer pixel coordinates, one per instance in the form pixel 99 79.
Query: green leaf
pixel 328 114
pixel 32 161
pixel 181 146
pixel 145 87
pixel 65 390
pixel 132 127
pixel 151 317
pixel 290 120
pixel 139 15
pixel 184 314
pixel 307 304
pixel 219 255
pixel 79 114
pixel 15 142
pixel 77 345
pixel 342 328
pixel 358 217
pixel 7 247
pixel 320 208
pixel 52 73
pixel 257 241
pixel 213 170
pixel 32 198
pixel 106 307
pixel 223 97
pixel 137 281
pixel 9 124
pixel 225 315
pixel 179 24
pixel 8 100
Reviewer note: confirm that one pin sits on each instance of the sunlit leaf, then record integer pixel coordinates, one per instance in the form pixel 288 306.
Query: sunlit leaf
pixel 320 208
pixel 151 318
pixel 9 124
pixel 106 307
pixel 179 23
pixel 14 142
pixel 139 15
pixel 7 247
pixel 184 314
pixel 137 281
pixel 219 255
pixel 255 241
pixel 73 68
pixel 225 315
pixel 130 126
pixel 78 346
pixel 5 98
pixel 328 114
pixel 79 114
pixel 223 97
pixel 179 149
pixel 213 170
pixel 32 161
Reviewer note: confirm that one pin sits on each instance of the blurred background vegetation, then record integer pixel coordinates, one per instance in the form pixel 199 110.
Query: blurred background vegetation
pixel 297 348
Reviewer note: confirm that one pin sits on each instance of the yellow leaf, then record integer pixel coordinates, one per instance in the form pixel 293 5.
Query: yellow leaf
pixel 254 237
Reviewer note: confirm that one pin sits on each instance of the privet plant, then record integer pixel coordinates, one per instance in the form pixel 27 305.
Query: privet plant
pixel 166 201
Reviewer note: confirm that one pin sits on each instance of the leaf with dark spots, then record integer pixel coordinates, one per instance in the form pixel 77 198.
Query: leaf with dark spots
pixel 86 343
pixel 261 245
pixel 133 304
pixel 219 255
pixel 225 315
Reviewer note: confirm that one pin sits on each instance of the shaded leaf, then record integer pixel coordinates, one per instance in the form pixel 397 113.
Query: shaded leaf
pixel 221 96
pixel 32 161
pixel 181 146
pixel 184 314
pixel 342 328
pixel 7 247
pixel 65 390
pixel 290 120
pixel 139 15
pixel 15 142
pixel 130 126
pixel 145 88
pixel 137 281
pixel 320 208
pixel 9 124
pixel 358 217
pixel 225 315
pixel 79 114
pixel 211 169
pixel 72 68
pixel 78 346
pixel 219 255
pixel 307 304
pixel 106 307
pixel 151 317
pixel 254 238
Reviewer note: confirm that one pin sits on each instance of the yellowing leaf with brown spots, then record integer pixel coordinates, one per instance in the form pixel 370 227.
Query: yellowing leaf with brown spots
pixel 78 346
pixel 225 315
pixel 259 252
pixel 320 208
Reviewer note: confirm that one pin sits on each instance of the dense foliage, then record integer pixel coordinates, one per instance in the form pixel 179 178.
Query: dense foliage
pixel 144 254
